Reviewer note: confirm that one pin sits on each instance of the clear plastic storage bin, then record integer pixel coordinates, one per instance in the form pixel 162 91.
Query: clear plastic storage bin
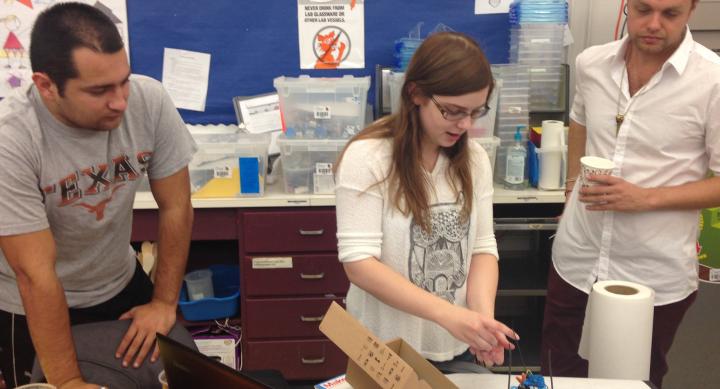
pixel 490 144
pixel 395 82
pixel 320 108
pixel 307 164
pixel 229 165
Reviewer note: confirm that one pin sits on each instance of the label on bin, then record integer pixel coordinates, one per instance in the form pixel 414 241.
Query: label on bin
pixel 272 263
pixel 322 112
pixel 223 172
pixel 323 168
pixel 323 182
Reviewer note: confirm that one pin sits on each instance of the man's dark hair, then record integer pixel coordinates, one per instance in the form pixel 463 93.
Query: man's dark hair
pixel 61 29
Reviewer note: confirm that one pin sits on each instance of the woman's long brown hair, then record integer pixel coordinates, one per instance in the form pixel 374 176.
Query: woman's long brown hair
pixel 445 64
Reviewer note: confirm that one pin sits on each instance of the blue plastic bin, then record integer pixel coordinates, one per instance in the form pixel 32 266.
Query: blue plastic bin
pixel 226 286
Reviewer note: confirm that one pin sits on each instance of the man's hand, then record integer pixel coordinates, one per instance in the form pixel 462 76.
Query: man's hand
pixel 147 320
pixel 614 194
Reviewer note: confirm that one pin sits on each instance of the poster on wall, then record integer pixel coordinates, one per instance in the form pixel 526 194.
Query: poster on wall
pixel 331 34
pixel 16 21
pixel 483 7
pixel 708 245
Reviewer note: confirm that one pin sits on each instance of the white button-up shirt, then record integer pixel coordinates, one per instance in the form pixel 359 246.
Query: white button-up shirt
pixel 670 136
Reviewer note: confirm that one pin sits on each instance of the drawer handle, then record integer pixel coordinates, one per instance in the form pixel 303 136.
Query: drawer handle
pixel 311 232
pixel 319 276
pixel 313 361
pixel 310 319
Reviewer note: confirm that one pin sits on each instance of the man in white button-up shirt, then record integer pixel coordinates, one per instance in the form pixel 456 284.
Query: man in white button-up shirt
pixel 651 104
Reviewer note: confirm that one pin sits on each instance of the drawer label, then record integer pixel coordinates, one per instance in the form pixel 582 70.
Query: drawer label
pixel 272 263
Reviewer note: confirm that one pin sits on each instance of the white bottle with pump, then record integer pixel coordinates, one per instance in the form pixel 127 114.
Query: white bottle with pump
pixel 515 177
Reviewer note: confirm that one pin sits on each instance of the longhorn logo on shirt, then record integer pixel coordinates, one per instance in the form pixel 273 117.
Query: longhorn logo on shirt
pixel 99 208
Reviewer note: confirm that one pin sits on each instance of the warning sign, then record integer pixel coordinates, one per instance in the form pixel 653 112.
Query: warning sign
pixel 331 34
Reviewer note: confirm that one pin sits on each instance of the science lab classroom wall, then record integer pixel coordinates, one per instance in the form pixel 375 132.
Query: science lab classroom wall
pixel 252 42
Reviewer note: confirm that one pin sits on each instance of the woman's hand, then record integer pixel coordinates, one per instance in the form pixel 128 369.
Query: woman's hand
pixel 484 335
pixel 496 356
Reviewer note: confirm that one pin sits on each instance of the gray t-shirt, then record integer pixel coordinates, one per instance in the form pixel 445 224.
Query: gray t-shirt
pixel 81 184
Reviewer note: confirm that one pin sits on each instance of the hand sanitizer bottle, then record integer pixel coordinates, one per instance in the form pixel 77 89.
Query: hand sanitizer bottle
pixel 515 177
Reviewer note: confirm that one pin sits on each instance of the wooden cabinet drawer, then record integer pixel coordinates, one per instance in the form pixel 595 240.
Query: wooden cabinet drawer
pixel 286 317
pixel 291 231
pixel 309 275
pixel 209 224
pixel 296 359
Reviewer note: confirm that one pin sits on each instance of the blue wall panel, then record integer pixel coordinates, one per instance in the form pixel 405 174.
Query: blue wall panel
pixel 253 41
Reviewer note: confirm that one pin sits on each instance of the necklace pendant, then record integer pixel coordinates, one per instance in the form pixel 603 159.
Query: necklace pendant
pixel 619 119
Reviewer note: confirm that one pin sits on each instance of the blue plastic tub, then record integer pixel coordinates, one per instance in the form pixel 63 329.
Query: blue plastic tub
pixel 226 286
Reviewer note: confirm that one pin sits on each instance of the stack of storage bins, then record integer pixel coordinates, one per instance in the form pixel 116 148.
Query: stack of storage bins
pixel 536 39
pixel 513 83
pixel 319 116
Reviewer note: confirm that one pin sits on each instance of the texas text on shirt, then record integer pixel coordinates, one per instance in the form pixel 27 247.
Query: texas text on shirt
pixel 81 184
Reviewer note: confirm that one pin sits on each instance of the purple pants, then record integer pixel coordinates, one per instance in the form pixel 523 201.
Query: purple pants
pixel 563 322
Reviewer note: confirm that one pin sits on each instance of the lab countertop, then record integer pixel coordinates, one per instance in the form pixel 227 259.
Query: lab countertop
pixel 275 197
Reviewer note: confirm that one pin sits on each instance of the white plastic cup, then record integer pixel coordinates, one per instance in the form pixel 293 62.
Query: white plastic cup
pixel 590 165
pixel 36 386
pixel 163 380
pixel 199 284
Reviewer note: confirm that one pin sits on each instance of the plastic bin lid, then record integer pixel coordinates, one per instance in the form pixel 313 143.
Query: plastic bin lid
pixel 234 138
pixel 283 140
pixel 346 80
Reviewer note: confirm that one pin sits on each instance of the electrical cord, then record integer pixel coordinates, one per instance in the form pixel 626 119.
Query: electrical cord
pixel 625 12
pixel 619 18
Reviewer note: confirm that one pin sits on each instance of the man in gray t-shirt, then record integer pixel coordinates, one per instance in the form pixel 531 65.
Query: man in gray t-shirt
pixel 74 146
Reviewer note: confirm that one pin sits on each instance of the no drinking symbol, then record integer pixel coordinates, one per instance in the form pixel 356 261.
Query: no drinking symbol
pixel 331 46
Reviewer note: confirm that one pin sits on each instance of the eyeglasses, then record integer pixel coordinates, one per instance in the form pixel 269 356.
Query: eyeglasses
pixel 454 116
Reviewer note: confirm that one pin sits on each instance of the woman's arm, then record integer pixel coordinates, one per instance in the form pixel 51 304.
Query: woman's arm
pixel 479 331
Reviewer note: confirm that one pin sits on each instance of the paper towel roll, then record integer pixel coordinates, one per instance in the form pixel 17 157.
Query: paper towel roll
pixel 552 130
pixel 551 168
pixel 617 334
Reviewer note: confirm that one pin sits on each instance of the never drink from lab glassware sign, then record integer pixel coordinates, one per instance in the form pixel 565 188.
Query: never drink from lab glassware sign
pixel 331 34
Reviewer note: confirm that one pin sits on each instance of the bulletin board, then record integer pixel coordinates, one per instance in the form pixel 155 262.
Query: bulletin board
pixel 251 42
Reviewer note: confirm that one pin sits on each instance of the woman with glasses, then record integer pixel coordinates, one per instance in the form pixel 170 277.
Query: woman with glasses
pixel 414 212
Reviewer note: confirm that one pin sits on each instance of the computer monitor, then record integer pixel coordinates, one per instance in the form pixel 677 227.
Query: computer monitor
pixel 188 369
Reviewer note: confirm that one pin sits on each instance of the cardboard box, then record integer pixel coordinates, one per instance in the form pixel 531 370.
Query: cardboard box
pixel 374 364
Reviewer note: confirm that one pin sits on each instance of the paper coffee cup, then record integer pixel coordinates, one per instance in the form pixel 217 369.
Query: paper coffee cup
pixel 163 380
pixel 594 166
